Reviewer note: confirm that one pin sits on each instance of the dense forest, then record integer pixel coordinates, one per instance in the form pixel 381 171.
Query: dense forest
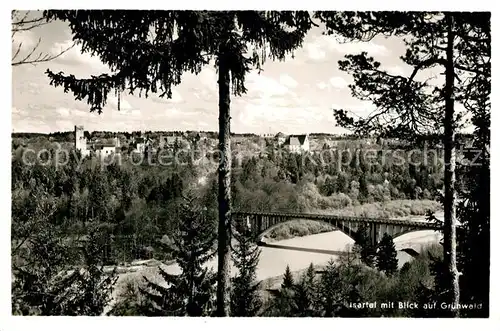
pixel 131 200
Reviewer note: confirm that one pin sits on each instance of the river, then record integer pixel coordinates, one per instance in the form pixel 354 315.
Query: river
pixel 299 252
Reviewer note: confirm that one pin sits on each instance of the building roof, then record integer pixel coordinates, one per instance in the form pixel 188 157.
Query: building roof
pixel 296 140
pixel 101 146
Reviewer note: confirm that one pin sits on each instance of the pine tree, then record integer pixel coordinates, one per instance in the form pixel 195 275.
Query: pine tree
pixel 310 279
pixel 288 281
pixel 458 43
pixel 364 246
pixel 474 250
pixel 192 292
pixel 305 294
pixel 283 300
pixel 387 260
pixel 330 298
pixel 182 41
pixel 302 302
pixel 245 299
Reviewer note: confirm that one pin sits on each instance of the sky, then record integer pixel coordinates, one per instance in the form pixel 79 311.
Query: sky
pixel 294 96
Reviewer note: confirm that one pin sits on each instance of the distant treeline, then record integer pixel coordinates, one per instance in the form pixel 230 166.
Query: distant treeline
pixel 69 135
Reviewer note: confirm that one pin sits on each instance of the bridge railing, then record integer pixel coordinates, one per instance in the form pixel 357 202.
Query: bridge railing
pixel 323 217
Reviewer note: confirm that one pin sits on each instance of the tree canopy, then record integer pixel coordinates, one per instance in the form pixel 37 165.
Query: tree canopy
pixel 148 51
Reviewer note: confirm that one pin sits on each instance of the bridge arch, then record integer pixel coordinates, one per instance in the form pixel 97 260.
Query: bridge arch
pixel 416 234
pixel 260 237
pixel 260 223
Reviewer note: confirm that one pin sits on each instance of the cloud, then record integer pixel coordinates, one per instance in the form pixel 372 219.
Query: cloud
pixel 322 45
pixel 322 85
pixel 359 108
pixel 126 112
pixel 396 70
pixel 63 125
pixel 172 112
pixel 338 82
pixel 334 44
pixel 74 56
pixel 208 78
pixel 265 87
pixel 288 81
pixel 26 38
pixel 76 112
pixel 23 43
pixel 176 98
pixel 30 125
pixel 124 104
pixel 63 112
pixel 314 51
pixel 18 111
pixel 261 116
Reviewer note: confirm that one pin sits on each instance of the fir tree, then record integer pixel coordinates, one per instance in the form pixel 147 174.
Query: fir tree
pixel 301 298
pixel 245 299
pixel 329 291
pixel 310 279
pixel 364 247
pixel 283 300
pixel 148 51
pixel 305 294
pixel 192 292
pixel 459 43
pixel 387 260
pixel 288 281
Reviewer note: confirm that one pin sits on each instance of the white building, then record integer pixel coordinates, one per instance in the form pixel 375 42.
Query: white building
pixel 104 150
pixel 80 140
pixel 297 143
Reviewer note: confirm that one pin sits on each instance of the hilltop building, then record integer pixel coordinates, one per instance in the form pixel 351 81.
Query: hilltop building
pixel 81 141
pixel 99 149
pixel 297 143
pixel 104 150
pixel 142 144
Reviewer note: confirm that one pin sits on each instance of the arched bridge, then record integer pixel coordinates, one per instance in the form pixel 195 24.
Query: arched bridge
pixel 260 222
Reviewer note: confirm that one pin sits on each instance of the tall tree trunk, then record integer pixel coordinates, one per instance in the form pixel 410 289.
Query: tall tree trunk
pixel 224 229
pixel 450 206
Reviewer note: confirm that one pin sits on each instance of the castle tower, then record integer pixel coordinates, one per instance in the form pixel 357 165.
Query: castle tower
pixel 80 141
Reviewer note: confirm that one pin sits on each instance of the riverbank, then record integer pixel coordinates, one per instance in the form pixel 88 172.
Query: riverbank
pixel 297 253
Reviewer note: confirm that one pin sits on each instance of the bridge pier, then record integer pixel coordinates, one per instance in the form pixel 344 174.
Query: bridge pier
pixel 374 230
pixel 390 230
